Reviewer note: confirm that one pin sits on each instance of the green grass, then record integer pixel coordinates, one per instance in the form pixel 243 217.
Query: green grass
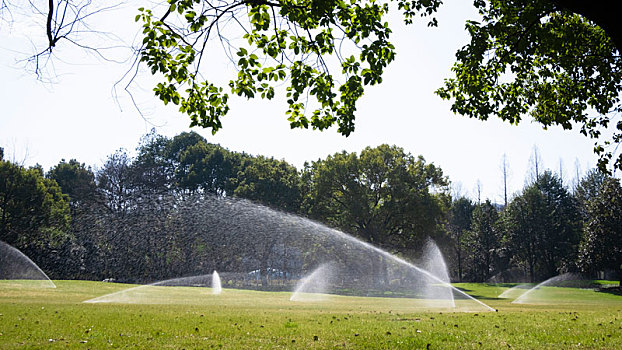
pixel 192 318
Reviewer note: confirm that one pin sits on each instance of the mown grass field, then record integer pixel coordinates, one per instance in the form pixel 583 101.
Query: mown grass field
pixel 192 318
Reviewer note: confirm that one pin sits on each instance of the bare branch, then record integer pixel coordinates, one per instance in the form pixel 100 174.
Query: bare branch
pixel 49 23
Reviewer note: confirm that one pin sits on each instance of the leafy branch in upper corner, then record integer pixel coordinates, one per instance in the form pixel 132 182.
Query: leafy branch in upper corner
pixel 538 58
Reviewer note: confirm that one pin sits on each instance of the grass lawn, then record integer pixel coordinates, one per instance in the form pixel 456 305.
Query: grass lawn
pixel 192 318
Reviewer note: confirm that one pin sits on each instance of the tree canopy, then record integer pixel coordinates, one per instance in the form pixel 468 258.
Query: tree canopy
pixel 541 58
pixel 75 180
pixel 484 240
pixel 543 228
pixel 384 195
pixel 325 51
pixel 34 215
pixel 601 246
pixel 555 60
pixel 459 219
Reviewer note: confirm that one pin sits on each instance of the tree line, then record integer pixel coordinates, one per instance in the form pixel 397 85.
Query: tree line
pixel 544 230
pixel 79 222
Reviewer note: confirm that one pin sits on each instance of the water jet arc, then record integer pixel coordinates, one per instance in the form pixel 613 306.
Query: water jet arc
pixel 216 284
pixel 15 265
pixel 531 295
pixel 264 249
pixel 314 286
pixel 413 266
pixel 159 292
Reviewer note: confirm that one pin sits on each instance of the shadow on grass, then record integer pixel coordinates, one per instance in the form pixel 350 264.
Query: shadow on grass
pixel 510 285
pixel 617 290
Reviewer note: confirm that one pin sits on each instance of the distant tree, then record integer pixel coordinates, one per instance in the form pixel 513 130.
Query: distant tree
pixel 115 182
pixel 563 225
pixel 186 162
pixel 577 176
pixel 153 169
pixel 384 196
pixel 180 143
pixel 78 182
pixel 458 224
pixel 535 166
pixel 272 182
pixel 75 180
pixel 193 170
pixel 207 167
pixel 588 188
pixel 478 191
pixel 601 246
pixel 560 172
pixel 34 216
pixel 522 219
pixel 177 149
pixel 483 240
pixel 543 227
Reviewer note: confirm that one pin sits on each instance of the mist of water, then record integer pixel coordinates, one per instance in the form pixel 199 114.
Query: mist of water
pixel 434 263
pixel 260 248
pixel 181 290
pixel 314 286
pixel 542 294
pixel 16 266
pixel 516 291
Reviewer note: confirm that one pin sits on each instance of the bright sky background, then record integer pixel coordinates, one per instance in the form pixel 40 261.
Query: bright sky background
pixel 78 117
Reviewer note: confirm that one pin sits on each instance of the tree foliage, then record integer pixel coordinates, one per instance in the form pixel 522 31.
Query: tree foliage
pixel 483 241
pixel 34 215
pixel 588 188
pixel 33 209
pixel 458 224
pixel 153 166
pixel 115 182
pixel 601 247
pixel 543 228
pixel 540 58
pixel 384 195
pixel 556 60
pixel 207 167
pixel 75 180
pixel 326 50
pixel 272 182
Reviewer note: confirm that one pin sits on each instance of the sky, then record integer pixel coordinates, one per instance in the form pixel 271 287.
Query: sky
pixel 79 114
